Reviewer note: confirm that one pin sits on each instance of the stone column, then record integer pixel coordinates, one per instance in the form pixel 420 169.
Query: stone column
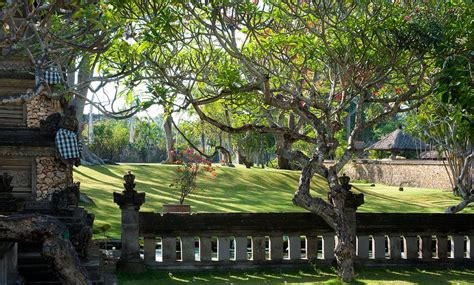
pixel 312 247
pixel 130 201
pixel 241 248
pixel 395 247
pixel 294 244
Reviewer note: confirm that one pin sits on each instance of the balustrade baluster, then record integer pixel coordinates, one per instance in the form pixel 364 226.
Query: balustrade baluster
pixel 363 247
pixel 458 247
pixel 442 246
pixel 411 247
pixel 223 249
pixel 149 249
pixel 258 248
pixel 426 250
pixel 378 247
pixel 168 249
pixel 311 247
pixel 328 247
pixel 276 248
pixel 294 244
pixel 187 249
pixel 395 248
pixel 240 248
pixel 205 248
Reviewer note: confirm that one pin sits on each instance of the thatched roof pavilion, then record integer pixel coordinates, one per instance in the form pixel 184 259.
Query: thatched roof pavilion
pixel 397 142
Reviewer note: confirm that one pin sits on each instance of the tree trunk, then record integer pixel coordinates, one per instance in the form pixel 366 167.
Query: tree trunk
pixel 84 73
pixel 56 249
pixel 229 135
pixel 203 142
pixel 339 211
pixel 345 227
pixel 226 155
pixel 90 158
pixel 171 152
pixel 345 248
pixel 282 145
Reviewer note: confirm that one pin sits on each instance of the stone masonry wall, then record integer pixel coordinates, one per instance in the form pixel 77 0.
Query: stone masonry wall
pixel 51 175
pixel 39 108
pixel 414 173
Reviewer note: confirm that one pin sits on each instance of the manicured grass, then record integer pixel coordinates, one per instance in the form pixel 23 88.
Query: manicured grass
pixel 239 190
pixel 304 276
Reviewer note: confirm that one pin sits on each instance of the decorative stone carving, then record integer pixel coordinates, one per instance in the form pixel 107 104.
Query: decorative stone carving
pixel 50 125
pixel 129 197
pixel 8 202
pixel 5 183
pixel 67 198
pixel 352 200
pixel 130 201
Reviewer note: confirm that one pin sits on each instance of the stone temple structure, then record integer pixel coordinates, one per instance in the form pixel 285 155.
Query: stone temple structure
pixel 34 179
pixel 26 152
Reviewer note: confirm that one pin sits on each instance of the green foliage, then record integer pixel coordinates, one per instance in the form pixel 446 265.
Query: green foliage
pixel 110 138
pixel 192 166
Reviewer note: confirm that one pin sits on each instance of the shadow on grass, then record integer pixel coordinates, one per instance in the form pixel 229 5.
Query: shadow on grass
pixel 304 276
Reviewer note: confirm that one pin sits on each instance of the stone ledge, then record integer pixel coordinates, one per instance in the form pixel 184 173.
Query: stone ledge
pixel 24 137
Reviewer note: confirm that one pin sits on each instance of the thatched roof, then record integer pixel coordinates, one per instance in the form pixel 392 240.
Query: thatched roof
pixel 398 141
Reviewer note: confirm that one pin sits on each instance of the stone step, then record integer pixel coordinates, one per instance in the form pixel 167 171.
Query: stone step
pixel 35 270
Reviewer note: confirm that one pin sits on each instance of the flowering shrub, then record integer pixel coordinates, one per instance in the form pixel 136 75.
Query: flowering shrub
pixel 187 172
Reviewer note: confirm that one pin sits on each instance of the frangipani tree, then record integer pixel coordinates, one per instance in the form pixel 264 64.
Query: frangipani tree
pixel 310 59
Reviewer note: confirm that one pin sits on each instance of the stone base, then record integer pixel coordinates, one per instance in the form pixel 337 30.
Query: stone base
pixel 131 266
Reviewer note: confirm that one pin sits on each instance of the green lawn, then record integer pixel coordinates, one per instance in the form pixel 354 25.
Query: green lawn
pixel 304 276
pixel 238 190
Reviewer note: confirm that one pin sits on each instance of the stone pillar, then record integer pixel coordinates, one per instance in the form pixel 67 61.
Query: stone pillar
pixel 328 247
pixel 223 248
pixel 363 247
pixel 168 249
pixel 240 248
pixel 294 244
pixel 130 201
pixel 149 250
pixel 442 246
pixel 457 246
pixel 187 249
pixel 411 247
pixel 311 247
pixel 426 252
pixel 395 249
pixel 205 249
pixel 378 246
pixel 258 248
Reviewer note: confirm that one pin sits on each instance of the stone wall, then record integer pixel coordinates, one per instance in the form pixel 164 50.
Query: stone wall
pixel 51 175
pixel 39 108
pixel 414 173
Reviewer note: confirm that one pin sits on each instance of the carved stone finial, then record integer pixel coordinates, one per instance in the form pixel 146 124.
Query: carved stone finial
pixel 344 180
pixel 5 183
pixel 129 182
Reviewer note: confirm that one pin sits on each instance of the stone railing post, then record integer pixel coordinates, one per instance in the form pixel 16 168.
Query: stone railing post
pixel 130 201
